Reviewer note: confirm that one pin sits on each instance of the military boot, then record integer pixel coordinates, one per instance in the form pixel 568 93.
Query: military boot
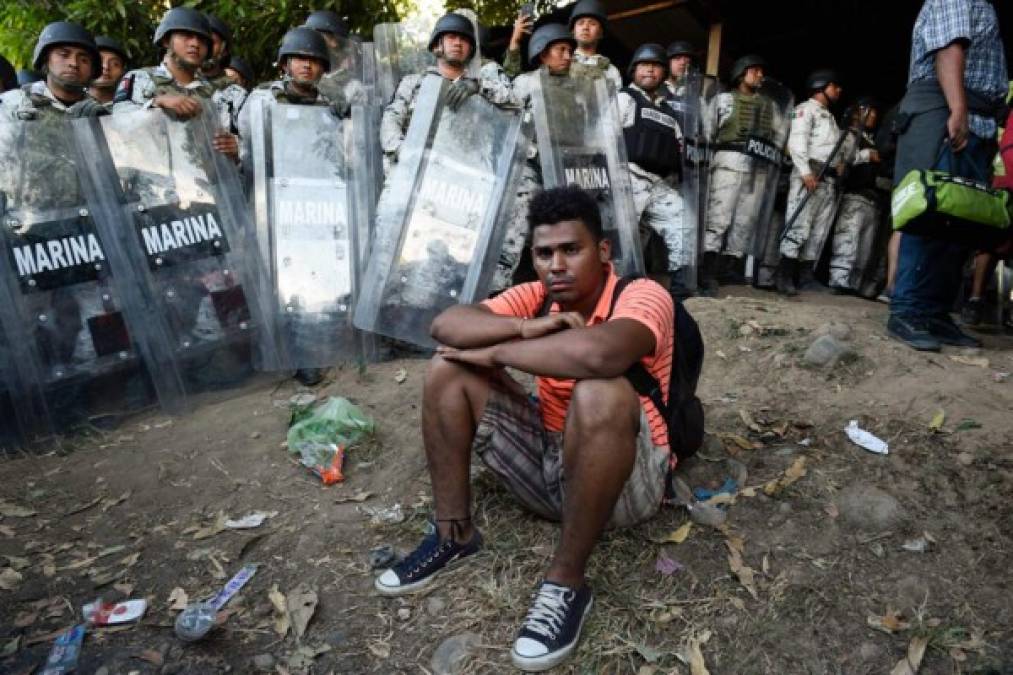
pixel 708 284
pixel 785 279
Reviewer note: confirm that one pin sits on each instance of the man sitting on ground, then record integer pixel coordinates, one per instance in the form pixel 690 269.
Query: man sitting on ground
pixel 590 453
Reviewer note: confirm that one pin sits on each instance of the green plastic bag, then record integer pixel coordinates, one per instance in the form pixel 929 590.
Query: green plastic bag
pixel 336 422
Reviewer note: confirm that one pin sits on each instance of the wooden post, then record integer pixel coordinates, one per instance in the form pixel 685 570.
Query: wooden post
pixel 714 49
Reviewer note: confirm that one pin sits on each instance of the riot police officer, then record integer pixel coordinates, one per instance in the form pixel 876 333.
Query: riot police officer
pixel 681 59
pixel 114 65
pixel 814 134
pixel 66 55
pixel 220 53
pixel 588 21
pixel 732 212
pixel 239 73
pixel 861 210
pixel 551 50
pixel 176 84
pixel 341 84
pixel 653 149
pixel 453 43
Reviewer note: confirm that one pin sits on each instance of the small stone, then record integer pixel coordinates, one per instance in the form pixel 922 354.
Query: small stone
pixel 707 514
pixel 336 638
pixel 781 360
pixel 784 507
pixel 451 656
pixel 102 670
pixel 255 434
pixel 826 350
pixel 965 459
pixel 263 662
pixel 868 508
pixel 836 329
pixel 870 651
pixel 435 606
pixel 404 614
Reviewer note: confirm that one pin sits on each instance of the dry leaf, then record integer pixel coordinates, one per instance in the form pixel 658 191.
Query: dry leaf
pixel 360 496
pixel 125 589
pixel 676 536
pixel 9 510
pixel 832 510
pixel 178 600
pixel 791 475
pixel 212 529
pixel 26 618
pixel 697 666
pixel 18 562
pixel 110 502
pixel 401 375
pixel 744 573
pixel 301 604
pixel 7 531
pixel 912 661
pixel 891 622
pixel 152 656
pixel 936 425
pixel 380 650
pixel 10 579
pixel 721 498
pixel 740 441
pixel 750 423
pixel 281 620
pixel 979 361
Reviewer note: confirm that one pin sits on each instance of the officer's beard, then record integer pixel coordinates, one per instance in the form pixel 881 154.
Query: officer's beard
pixel 452 61
pixel 590 46
pixel 75 85
pixel 301 86
pixel 182 64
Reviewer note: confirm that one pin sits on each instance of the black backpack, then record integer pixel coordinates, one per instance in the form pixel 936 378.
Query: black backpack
pixel 684 411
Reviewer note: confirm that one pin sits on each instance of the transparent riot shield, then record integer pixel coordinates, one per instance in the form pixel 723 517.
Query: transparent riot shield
pixel 182 221
pixel 76 358
pixel 352 78
pixel 686 104
pixel 10 430
pixel 580 142
pixel 437 238
pixel 744 167
pixel 369 161
pixel 304 210
pixel 400 49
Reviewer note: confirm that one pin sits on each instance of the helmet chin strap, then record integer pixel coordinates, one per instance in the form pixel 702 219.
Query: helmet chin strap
pixel 71 86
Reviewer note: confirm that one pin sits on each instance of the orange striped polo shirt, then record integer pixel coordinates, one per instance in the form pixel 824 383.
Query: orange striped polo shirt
pixel 642 300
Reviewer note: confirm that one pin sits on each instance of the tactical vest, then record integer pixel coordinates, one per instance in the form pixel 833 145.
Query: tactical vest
pixel 281 94
pixel 651 142
pixel 35 106
pixel 165 84
pixel 861 178
pixel 751 116
pixel 593 71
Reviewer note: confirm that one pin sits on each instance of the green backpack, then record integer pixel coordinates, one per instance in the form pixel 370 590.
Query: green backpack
pixel 937 204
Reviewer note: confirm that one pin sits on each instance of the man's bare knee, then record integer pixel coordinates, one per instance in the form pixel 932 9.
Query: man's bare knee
pixel 606 403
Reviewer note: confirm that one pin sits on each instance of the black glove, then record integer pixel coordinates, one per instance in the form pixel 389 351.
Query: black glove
pixel 460 91
pixel 87 107
pixel 341 107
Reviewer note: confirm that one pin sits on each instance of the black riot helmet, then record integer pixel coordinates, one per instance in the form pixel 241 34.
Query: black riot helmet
pixel 453 23
pixel 303 41
pixel 238 64
pixel 819 80
pixel 648 53
pixel 592 8
pixel 326 21
pixel 743 64
pixel 183 19
pixel 680 48
pixel 8 78
pixel 108 44
pixel 868 102
pixel 545 36
pixel 26 76
pixel 220 27
pixel 66 33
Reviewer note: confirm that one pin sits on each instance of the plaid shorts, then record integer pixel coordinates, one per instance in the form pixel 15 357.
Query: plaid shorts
pixel 513 443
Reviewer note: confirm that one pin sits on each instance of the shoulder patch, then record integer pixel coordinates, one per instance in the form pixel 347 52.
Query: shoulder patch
pixel 125 90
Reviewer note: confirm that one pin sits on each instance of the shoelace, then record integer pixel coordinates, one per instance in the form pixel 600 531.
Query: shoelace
pixel 548 611
pixel 423 556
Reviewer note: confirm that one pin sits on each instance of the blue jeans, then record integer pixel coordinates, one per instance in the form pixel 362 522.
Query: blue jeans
pixel 929 271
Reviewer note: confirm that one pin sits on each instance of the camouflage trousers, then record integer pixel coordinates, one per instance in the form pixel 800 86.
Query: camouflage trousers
pixel 660 208
pixel 854 241
pixel 516 234
pixel 808 234
pixel 734 199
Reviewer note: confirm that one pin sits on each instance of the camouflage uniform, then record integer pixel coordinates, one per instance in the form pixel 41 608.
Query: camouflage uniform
pixel 732 211
pixel 858 219
pixel 138 89
pixel 397 116
pixel 30 102
pixel 659 205
pixel 814 133
pixel 595 65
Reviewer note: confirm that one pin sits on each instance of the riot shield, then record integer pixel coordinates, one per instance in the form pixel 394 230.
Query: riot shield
pixel 750 134
pixel 352 78
pixel 580 142
pixel 306 227
pixel 403 49
pixel 686 104
pixel 400 49
pixel 181 219
pixel 75 355
pixel 438 232
pixel 10 436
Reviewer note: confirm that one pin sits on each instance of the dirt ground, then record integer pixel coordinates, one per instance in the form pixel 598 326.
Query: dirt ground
pixel 833 559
